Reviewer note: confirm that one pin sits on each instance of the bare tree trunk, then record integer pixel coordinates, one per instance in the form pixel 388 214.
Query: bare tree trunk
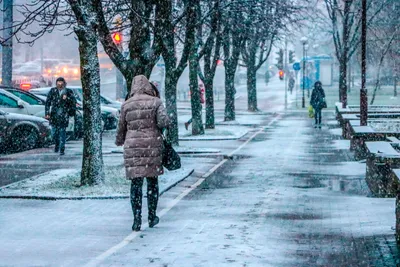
pixel 343 82
pixel 251 87
pixel 92 164
pixel 171 81
pixel 229 94
pixel 209 87
pixel 377 84
pixel 197 123
pixel 384 52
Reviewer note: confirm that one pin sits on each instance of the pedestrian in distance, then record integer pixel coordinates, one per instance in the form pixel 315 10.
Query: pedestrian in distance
pixel 143 118
pixel 291 82
pixel 318 102
pixel 202 101
pixel 60 105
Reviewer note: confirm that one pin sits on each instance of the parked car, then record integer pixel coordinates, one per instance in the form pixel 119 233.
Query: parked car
pixel 75 127
pixel 105 101
pixel 14 104
pixel 109 115
pixel 22 132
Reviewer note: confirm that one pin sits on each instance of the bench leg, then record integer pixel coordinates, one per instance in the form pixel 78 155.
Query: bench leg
pixel 398 217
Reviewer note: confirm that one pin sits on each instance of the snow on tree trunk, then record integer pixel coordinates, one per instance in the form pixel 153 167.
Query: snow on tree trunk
pixel 229 95
pixel 171 82
pixel 92 163
pixel 251 88
pixel 209 87
pixel 343 82
pixel 197 122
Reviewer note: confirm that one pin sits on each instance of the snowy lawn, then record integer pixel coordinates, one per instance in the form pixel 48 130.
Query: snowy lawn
pixel 228 132
pixel 65 183
pixel 180 150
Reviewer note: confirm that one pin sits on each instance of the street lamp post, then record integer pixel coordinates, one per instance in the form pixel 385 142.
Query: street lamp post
pixel 307 72
pixel 363 92
pixel 304 42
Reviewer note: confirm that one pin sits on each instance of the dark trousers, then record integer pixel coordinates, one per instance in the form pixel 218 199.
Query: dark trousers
pixel 318 116
pixel 59 137
pixel 190 121
pixel 152 197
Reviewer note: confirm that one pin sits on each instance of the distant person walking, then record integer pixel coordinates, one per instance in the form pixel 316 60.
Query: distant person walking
pixel 318 102
pixel 143 117
pixel 60 105
pixel 202 101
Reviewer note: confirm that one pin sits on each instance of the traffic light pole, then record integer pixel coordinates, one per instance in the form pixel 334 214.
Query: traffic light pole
pixel 286 73
pixel 7 46
pixel 303 100
pixel 120 81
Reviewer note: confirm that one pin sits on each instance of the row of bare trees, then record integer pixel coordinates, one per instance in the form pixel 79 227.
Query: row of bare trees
pixel 186 33
pixel 342 20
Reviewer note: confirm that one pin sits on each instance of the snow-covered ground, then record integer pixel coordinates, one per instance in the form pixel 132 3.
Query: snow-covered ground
pixel 65 183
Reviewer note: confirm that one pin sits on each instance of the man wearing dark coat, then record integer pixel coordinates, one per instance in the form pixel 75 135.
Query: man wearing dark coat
pixel 60 105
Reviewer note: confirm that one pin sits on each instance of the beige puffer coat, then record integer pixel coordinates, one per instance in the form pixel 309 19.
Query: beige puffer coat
pixel 142 118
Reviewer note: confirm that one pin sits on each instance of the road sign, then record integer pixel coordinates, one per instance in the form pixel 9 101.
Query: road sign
pixel 296 66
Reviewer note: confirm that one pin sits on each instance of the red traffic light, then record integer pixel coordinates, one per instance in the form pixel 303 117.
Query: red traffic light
pixel 281 73
pixel 117 38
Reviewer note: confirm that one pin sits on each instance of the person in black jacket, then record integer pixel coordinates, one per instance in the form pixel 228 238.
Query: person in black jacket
pixel 60 105
pixel 318 102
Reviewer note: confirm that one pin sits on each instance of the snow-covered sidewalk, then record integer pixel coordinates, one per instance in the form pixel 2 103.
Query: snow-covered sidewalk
pixel 65 184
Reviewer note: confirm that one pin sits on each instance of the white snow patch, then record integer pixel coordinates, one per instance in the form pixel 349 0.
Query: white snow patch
pixel 336 131
pixel 342 144
pixel 225 133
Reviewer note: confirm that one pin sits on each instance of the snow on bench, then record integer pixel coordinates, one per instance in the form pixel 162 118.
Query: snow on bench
pixel 382 148
pixel 393 139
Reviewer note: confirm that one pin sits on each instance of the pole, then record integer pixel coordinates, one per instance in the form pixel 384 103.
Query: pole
pixel 286 73
pixel 363 93
pixel 119 81
pixel 303 101
pixel 308 79
pixel 7 46
pixel 41 58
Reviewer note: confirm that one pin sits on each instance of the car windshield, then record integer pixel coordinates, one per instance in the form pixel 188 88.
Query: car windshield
pixel 26 97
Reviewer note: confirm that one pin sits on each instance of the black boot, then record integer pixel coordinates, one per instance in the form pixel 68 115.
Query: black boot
pixel 152 200
pixel 137 222
pixel 136 203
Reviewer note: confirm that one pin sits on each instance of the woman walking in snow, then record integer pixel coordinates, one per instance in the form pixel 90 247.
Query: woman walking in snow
pixel 318 102
pixel 143 117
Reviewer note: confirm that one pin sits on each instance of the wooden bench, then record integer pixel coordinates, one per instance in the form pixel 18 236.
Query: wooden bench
pixel 361 134
pixel 381 159
pixel 354 109
pixel 395 141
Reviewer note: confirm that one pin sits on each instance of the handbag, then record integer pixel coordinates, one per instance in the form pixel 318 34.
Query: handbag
pixel 310 112
pixel 324 105
pixel 170 158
